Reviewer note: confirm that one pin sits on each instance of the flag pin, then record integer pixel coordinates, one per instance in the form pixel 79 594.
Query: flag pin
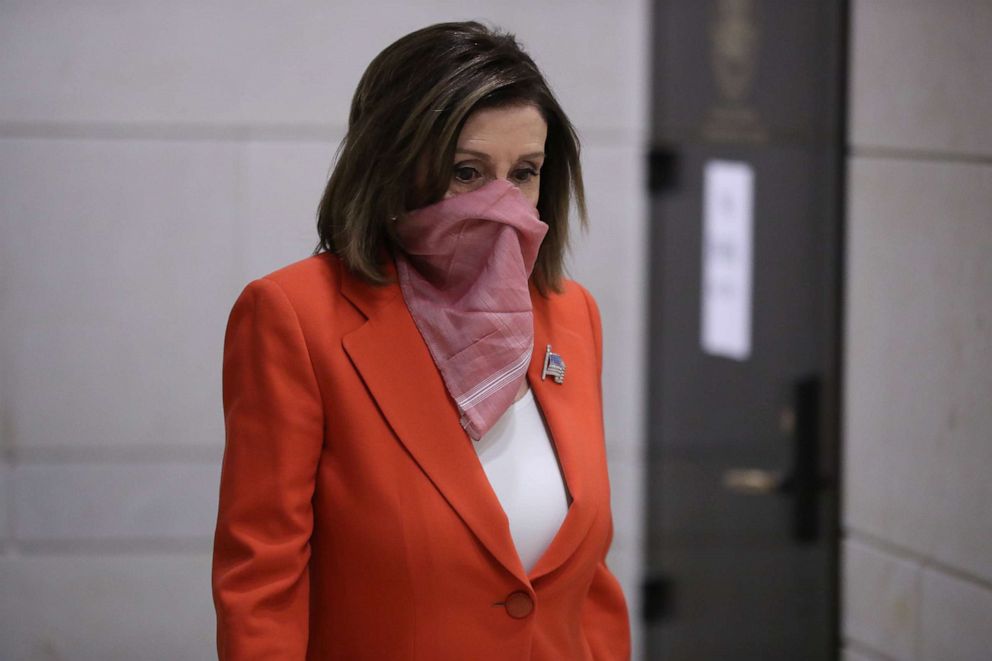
pixel 554 366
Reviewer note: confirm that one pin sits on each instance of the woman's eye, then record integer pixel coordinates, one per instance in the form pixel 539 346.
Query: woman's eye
pixel 525 174
pixel 465 173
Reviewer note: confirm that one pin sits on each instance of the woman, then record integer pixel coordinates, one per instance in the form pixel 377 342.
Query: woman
pixel 415 465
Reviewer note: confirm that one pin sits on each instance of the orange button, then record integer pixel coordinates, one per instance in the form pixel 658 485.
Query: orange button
pixel 519 604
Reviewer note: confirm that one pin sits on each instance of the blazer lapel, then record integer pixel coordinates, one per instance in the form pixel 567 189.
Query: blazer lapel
pixel 572 422
pixel 397 367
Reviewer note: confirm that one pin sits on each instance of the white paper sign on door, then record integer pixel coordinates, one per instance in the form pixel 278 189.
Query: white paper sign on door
pixel 728 221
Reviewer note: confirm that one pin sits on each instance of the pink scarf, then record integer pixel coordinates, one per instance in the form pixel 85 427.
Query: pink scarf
pixel 464 278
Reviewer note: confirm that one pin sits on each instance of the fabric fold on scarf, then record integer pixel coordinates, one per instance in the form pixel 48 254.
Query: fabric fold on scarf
pixel 463 273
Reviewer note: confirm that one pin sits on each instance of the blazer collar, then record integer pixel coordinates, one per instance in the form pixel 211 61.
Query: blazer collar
pixel 573 423
pixel 397 367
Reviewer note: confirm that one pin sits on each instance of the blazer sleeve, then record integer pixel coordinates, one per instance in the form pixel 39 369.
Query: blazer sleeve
pixel 605 621
pixel 273 419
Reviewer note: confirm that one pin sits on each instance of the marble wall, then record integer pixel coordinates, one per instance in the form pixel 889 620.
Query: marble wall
pixel 917 569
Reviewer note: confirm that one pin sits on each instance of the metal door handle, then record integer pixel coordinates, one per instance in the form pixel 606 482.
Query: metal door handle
pixel 753 480
pixel 803 481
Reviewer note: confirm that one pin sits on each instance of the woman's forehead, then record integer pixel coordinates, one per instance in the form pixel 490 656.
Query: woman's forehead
pixel 520 127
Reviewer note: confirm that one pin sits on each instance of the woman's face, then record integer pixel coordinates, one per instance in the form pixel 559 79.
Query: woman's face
pixel 500 143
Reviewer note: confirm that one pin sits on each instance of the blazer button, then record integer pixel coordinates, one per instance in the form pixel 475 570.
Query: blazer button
pixel 519 604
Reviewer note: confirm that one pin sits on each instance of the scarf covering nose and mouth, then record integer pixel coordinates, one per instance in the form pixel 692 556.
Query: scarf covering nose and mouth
pixel 463 273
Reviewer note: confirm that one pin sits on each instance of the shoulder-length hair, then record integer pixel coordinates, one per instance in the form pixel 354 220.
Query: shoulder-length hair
pixel 406 116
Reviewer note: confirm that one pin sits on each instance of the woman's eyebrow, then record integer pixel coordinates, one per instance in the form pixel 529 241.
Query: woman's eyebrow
pixel 485 157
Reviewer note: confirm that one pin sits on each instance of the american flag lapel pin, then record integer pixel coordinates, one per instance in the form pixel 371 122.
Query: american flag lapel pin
pixel 553 365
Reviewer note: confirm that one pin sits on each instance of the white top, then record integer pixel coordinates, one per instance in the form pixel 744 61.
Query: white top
pixel 519 459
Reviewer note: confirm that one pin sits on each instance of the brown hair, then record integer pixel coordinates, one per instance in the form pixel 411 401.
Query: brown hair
pixel 406 115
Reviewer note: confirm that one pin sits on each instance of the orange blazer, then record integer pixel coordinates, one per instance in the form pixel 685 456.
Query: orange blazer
pixel 355 519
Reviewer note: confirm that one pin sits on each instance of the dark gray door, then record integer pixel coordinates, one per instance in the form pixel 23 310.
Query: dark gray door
pixel 744 355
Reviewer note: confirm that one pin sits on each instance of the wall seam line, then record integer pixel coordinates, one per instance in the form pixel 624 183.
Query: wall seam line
pixel 906 553
pixel 864 649
pixel 877 152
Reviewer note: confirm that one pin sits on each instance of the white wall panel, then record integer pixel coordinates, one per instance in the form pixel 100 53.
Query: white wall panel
pixel 115 502
pixel 106 608
pixel 920 75
pixel 919 372
pixel 6 504
pixel 119 262
pixel 848 654
pixel 956 618
pixel 283 183
pixel 881 600
pixel 627 487
pixel 232 63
